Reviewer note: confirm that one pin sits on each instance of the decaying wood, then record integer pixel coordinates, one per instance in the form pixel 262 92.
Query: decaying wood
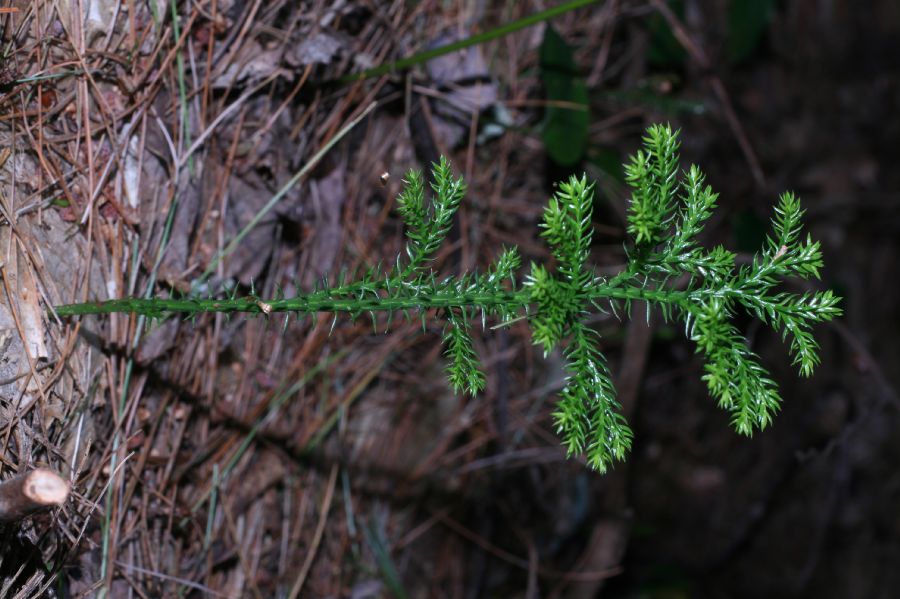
pixel 31 492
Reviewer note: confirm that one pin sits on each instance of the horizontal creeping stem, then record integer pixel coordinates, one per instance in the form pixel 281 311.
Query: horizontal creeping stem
pixel 323 302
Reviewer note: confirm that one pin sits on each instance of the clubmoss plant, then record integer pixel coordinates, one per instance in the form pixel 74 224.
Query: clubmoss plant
pixel 667 268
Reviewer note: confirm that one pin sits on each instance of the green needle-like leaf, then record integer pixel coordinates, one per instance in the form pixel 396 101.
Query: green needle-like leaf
pixel 668 268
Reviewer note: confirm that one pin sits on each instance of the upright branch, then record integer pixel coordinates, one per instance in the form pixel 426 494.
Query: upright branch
pixel 667 268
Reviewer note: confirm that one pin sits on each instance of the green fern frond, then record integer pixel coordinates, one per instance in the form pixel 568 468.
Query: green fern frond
pixel 786 223
pixel 652 174
pixel 426 232
pixel 698 202
pixel 411 206
pixel 733 374
pixel 587 415
pixel 504 269
pixel 462 370
pixel 555 307
pixel 667 268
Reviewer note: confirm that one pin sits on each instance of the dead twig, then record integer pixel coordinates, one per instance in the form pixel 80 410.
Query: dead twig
pixel 31 492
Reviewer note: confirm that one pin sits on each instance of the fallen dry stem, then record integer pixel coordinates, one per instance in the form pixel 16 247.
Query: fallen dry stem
pixel 31 492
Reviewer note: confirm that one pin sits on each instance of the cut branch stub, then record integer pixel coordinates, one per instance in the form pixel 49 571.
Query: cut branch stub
pixel 31 492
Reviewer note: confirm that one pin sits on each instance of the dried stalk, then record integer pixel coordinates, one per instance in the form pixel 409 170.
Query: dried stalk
pixel 31 492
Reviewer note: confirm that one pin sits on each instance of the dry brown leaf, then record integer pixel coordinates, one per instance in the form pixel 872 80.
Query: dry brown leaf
pixel 252 64
pixel 98 16
pixel 317 48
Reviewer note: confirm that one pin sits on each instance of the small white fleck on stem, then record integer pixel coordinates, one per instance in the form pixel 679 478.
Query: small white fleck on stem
pixel 266 308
